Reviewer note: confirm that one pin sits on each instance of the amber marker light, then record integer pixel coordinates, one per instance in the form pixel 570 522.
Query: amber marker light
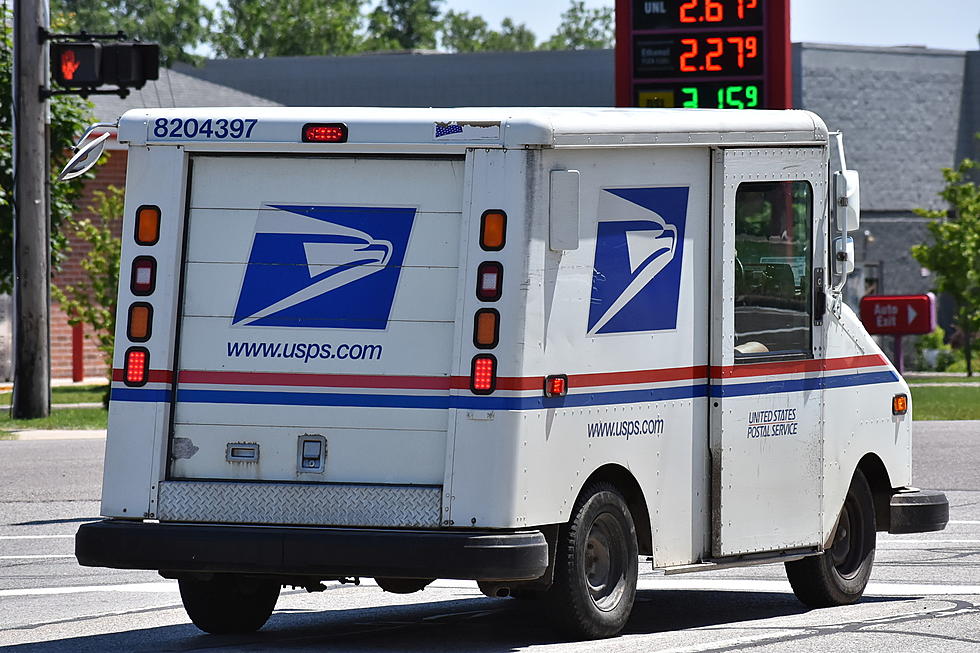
pixel 493 230
pixel 900 404
pixel 140 322
pixel 486 328
pixel 147 225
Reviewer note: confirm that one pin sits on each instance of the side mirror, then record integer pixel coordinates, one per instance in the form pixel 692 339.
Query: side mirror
pixel 847 196
pixel 843 255
pixel 84 159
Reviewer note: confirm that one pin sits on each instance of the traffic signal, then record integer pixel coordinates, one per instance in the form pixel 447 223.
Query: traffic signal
pixel 89 65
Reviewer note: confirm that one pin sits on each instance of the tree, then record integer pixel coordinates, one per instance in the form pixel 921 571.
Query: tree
pixel 403 25
pixel 93 301
pixel 954 255
pixel 69 118
pixel 462 32
pixel 257 28
pixel 583 29
pixel 179 26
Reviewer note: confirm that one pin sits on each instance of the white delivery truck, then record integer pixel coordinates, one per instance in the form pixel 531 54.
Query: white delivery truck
pixel 526 347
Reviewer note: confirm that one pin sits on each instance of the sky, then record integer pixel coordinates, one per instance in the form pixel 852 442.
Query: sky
pixel 946 24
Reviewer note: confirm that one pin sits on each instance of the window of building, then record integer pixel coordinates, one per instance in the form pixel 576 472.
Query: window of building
pixel 773 268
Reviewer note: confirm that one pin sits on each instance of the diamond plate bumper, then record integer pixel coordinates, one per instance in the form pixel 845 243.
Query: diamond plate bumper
pixel 312 552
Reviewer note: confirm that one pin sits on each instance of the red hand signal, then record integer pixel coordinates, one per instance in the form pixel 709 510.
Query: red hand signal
pixel 69 64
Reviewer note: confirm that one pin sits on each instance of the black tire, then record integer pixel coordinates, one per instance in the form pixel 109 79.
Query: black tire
pixel 403 585
pixel 228 603
pixel 840 574
pixel 595 566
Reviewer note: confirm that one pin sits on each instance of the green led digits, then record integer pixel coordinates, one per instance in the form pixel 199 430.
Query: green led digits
pixel 691 103
pixel 738 97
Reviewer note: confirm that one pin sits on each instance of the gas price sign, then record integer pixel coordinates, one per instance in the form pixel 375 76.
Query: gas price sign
pixel 721 54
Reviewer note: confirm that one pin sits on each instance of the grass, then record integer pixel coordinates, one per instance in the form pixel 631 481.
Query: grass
pixel 940 378
pixel 68 394
pixel 945 402
pixel 66 418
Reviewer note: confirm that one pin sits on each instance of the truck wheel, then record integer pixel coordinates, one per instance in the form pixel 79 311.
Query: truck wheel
pixel 595 566
pixel 228 603
pixel 840 574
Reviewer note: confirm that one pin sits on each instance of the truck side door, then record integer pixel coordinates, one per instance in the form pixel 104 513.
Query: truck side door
pixel 766 407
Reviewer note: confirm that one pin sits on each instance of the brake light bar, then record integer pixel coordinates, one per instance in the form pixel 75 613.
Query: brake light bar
pixel 325 133
pixel 137 366
pixel 483 374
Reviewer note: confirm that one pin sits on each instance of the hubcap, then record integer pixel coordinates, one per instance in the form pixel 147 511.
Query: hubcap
pixel 605 561
pixel 847 551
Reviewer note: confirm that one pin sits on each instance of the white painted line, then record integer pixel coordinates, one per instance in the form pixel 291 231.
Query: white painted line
pixel 733 643
pixel 926 541
pixel 34 557
pixel 731 584
pixel 35 537
pixel 149 588
pixel 963 521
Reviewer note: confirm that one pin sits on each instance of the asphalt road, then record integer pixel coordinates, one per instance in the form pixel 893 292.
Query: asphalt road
pixel 924 595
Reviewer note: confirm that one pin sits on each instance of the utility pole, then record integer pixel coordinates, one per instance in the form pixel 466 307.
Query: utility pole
pixel 32 260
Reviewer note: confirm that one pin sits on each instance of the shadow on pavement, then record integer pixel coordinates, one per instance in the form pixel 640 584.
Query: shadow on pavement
pixel 478 624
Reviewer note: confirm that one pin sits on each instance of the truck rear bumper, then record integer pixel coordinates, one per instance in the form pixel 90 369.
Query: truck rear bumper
pixel 918 511
pixel 312 552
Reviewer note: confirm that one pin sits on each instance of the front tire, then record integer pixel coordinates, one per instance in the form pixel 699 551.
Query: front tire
pixel 229 603
pixel 595 566
pixel 840 575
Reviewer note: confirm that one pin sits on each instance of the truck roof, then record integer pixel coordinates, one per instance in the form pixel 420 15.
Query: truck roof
pixel 483 126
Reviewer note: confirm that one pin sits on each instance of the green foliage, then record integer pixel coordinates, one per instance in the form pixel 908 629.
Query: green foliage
pixel 257 28
pixel 403 25
pixel 462 32
pixel 69 118
pixel 178 26
pixel 954 254
pixel 93 301
pixel 583 29
pixel 932 352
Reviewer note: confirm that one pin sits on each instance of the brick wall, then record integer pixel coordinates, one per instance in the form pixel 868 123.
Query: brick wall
pixel 111 173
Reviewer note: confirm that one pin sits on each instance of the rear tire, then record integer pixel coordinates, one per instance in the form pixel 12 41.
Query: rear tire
pixel 595 566
pixel 229 603
pixel 840 574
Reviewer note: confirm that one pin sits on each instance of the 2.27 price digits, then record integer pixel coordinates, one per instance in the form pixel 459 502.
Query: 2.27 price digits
pixel 719 54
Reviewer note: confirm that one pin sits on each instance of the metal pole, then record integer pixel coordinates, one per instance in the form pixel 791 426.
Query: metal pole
pixel 32 369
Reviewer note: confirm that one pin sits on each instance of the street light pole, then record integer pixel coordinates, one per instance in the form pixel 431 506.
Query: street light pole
pixel 32 261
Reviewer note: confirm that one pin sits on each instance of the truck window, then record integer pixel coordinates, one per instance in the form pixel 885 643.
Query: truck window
pixel 773 234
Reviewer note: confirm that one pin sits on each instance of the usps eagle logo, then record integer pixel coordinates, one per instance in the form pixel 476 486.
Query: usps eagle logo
pixel 324 266
pixel 638 255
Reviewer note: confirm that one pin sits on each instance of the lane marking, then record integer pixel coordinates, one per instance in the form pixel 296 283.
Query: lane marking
pixel 731 584
pixel 34 557
pixel 963 521
pixel 925 541
pixel 161 587
pixel 35 537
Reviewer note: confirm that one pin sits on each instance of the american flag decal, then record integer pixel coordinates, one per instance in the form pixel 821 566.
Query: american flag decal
pixel 445 129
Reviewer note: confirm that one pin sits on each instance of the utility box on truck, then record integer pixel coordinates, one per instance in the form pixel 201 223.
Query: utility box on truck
pixel 518 346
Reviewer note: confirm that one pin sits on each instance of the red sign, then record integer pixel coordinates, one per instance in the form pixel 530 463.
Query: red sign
pixel 899 315
pixel 718 54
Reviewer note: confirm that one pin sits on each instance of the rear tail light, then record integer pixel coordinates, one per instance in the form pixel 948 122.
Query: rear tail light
pixel 486 328
pixel 325 133
pixel 140 322
pixel 143 279
pixel 493 229
pixel 137 364
pixel 483 375
pixel 556 385
pixel 489 276
pixel 147 225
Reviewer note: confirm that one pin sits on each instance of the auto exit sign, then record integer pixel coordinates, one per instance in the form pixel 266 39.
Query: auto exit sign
pixel 899 315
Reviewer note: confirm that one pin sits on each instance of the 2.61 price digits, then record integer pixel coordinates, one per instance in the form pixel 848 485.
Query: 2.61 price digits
pixel 728 97
pixel 740 49
pixel 712 11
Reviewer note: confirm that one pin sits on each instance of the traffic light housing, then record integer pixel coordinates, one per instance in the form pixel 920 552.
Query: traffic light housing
pixel 86 65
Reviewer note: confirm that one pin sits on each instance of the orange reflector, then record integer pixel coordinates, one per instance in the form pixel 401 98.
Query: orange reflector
pixel 147 225
pixel 140 322
pixel 328 133
pixel 137 363
pixel 556 385
pixel 486 328
pixel 900 404
pixel 493 227
pixel 483 375
pixel 488 277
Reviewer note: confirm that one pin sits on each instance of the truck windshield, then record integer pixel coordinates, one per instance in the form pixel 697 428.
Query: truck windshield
pixel 773 256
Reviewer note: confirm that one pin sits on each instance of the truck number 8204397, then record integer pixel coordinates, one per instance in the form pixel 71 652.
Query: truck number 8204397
pixel 193 128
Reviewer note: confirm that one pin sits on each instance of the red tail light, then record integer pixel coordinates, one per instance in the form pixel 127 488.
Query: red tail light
pixel 556 385
pixel 483 375
pixel 137 365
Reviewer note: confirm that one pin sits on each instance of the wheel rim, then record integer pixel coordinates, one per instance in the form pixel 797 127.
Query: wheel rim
pixel 847 550
pixel 605 561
